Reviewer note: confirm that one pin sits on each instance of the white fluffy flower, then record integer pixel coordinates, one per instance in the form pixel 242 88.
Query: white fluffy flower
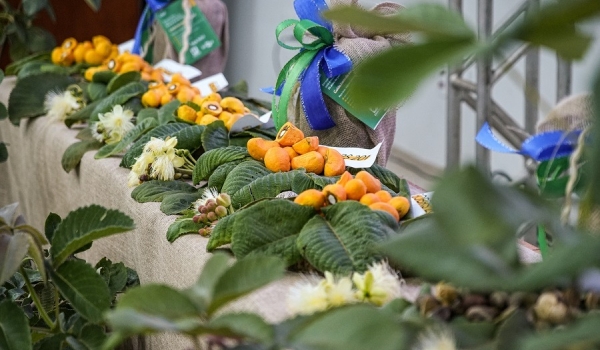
pixel 339 291
pixel 158 161
pixel 378 285
pixel 59 105
pixel 436 338
pixel 162 168
pixel 115 124
pixel 307 298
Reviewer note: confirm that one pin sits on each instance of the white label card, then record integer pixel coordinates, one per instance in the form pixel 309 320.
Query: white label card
pixel 126 46
pixel 358 157
pixel 172 67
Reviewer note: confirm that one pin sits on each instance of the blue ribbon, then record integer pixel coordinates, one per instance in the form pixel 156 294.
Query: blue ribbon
pixel 540 147
pixel 329 60
pixel 146 20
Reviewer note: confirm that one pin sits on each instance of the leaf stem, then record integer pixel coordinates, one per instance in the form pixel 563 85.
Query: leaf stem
pixel 36 300
pixel 185 171
pixel 56 309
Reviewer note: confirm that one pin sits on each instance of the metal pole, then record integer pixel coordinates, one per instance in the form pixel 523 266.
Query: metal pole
pixel 508 63
pixel 453 122
pixel 532 81
pixel 484 80
pixel 563 78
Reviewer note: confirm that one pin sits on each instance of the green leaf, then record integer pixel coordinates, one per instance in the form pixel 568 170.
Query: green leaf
pixel 215 136
pixel 32 7
pixel 222 233
pixel 27 98
pixel 140 129
pixel 3 152
pixel 243 277
pixel 161 132
pixel 104 76
pixel 52 343
pixel 211 160
pixel 305 181
pixel 182 226
pixel 13 249
pixel 176 203
pixel 75 152
pixel 189 138
pixel 14 67
pixel 122 79
pixel 84 225
pixel 39 39
pixel 396 73
pixel 14 327
pixel 147 113
pixel 1 75
pixel 3 112
pixel 583 332
pixel 243 174
pixel 97 91
pixel 82 114
pixel 217 179
pixel 91 337
pixel 513 330
pixel 51 224
pixel 119 97
pixel 270 227
pixel 155 191
pixel 166 113
pixel 114 275
pixel 79 283
pixel 243 325
pixel 267 186
pixel 201 292
pixel 342 245
pixel 36 252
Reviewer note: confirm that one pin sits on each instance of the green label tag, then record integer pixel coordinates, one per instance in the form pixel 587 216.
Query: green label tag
pixel 337 89
pixel 202 39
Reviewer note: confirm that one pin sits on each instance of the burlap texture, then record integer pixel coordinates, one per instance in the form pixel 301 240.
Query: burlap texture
pixel 213 63
pixel 358 44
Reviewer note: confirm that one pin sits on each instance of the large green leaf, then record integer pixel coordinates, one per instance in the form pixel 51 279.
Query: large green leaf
pixel 343 241
pixel 14 327
pixel 39 39
pixel 155 191
pixel 27 98
pixel 222 233
pixel 217 178
pixel 161 131
pixel 14 67
pixel 121 80
pixel 243 277
pixel 270 227
pixel 3 152
pixel 176 203
pixel 189 138
pixel 215 136
pixel 182 226
pixel 211 160
pixel 84 225
pixel 91 337
pixel 305 181
pixel 82 114
pixel 13 249
pixel 119 97
pixel 75 152
pixel 96 91
pixel 201 292
pixel 103 76
pixel 83 287
pixel 166 113
pixel 244 325
pixel 243 174
pixel 140 129
pixel 51 224
pixel 147 113
pixel 267 186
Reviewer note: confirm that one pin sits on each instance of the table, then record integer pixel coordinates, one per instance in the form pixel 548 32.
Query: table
pixel 34 177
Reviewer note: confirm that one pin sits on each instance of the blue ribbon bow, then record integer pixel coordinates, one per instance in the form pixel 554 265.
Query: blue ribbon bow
pixel 146 20
pixel 540 147
pixel 306 67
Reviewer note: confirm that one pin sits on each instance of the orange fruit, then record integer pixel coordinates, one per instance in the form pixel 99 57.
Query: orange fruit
pixel 334 162
pixel 384 195
pixel 205 119
pixel 373 184
pixel 232 120
pixel 369 199
pixel 178 78
pixel 233 105
pixel 214 96
pixel 334 193
pixel 313 162
pixel 151 98
pixel 258 147
pixel 224 116
pixel 291 152
pixel 311 197
pixel 346 176
pixel 211 107
pixel 355 189
pixel 306 145
pixel 93 58
pixel 387 208
pixel 185 112
pixel 277 159
pixel 289 135
pixel 401 204
pixel 185 94
pixel 56 56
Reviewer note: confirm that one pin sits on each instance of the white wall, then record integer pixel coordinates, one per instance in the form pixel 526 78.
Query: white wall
pixel 256 57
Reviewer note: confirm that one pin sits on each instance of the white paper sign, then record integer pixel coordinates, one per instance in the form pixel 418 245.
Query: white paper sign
pixel 172 67
pixel 206 85
pixel 358 157
pixel 267 120
pixel 420 204
pixel 126 46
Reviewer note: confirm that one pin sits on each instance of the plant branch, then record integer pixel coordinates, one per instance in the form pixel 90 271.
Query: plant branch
pixel 36 299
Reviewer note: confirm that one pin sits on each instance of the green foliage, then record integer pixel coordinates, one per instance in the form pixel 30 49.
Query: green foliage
pixel 143 126
pixel 218 177
pixel 215 136
pixel 212 159
pixel 166 113
pixel 182 226
pixel 177 203
pixel 222 233
pixel 244 174
pixel 268 186
pixel 155 191
pixel 14 327
pixel 73 154
pixel 121 80
pixel 137 147
pixel 118 97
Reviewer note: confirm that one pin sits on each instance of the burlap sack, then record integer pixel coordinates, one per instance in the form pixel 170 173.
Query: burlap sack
pixel 213 63
pixel 358 44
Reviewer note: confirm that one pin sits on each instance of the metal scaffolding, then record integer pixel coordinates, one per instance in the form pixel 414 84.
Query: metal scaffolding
pixel 478 95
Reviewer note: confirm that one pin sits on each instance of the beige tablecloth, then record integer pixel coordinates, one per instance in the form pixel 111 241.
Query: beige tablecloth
pixel 34 177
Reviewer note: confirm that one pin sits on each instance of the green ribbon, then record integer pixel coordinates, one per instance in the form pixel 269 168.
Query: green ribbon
pixel 317 38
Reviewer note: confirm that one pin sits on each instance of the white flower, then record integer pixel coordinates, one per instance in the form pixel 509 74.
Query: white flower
pixel 436 338
pixel 378 285
pixel 162 168
pixel 307 298
pixel 158 161
pixel 98 135
pixel 209 193
pixel 339 292
pixel 116 123
pixel 59 105
pixel 133 179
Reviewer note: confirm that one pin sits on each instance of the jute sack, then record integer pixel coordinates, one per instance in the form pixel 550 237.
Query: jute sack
pixel 358 44
pixel 213 63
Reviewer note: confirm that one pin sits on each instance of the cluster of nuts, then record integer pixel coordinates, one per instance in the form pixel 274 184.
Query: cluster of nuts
pixel 127 62
pixel 291 150
pixel 544 310
pixel 92 52
pixel 363 187
pixel 211 211
pixel 212 108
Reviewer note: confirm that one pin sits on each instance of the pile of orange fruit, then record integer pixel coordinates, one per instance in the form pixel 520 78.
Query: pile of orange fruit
pixel 213 107
pixel 291 150
pixel 363 187
pixel 92 52
pixel 160 93
pixel 127 62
